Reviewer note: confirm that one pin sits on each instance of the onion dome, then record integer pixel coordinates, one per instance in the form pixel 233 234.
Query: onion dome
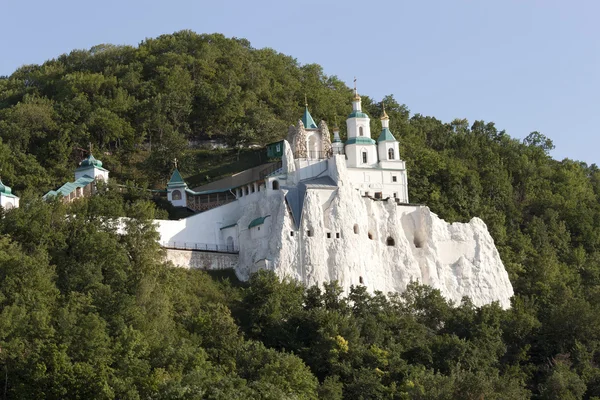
pixel 90 161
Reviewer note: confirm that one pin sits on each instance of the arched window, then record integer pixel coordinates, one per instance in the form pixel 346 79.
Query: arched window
pixel 391 154
pixel 176 195
pixel 390 241
pixel 356 229
pixel 230 243
pixel 370 235
pixel 364 157
pixel 275 185
pixel 360 131
pixel 9 206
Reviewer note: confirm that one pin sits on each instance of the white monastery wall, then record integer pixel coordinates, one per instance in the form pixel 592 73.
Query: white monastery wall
pixel 201 260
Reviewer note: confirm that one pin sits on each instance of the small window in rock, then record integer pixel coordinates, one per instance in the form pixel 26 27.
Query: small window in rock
pixel 390 241
pixel 328 235
pixel 337 235
pixel 370 235
pixel 367 194
pixel 378 195
pixel 394 178
pixel 356 229
pixel 361 280
pixel 309 233
pixel 418 242
pixel 395 195
pixel 258 228
pixel 292 233
pixel 275 185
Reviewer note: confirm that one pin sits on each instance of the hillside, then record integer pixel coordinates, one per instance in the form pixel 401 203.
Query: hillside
pixel 88 313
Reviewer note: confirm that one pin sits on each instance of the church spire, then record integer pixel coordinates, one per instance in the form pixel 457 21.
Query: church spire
pixel 356 106
pixel 385 120
pixel 307 119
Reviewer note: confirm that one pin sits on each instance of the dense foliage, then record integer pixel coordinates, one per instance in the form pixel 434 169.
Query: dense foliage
pixel 86 312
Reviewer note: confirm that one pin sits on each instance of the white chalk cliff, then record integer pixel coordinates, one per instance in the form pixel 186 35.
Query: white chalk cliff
pixel 353 239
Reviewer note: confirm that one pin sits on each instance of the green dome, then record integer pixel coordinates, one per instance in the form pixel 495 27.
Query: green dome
pixel 5 189
pixel 358 114
pixel 90 161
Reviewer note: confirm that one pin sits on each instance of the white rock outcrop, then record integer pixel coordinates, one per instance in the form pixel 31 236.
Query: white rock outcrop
pixel 355 240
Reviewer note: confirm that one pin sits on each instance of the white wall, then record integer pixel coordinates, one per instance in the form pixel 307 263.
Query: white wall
pixel 352 125
pixel 9 202
pixel 200 228
pixel 378 180
pixel 178 203
pixel 355 158
pixel 92 172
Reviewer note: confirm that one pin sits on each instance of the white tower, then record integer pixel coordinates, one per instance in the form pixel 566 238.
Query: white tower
pixel 177 189
pixel 337 146
pixel 387 145
pixel 361 150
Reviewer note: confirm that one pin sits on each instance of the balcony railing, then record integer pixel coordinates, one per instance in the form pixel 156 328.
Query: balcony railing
pixel 215 248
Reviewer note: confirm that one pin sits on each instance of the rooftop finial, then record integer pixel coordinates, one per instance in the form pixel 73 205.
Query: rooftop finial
pixel 356 96
pixel 305 100
pixel 90 147
pixel 175 162
pixel 384 116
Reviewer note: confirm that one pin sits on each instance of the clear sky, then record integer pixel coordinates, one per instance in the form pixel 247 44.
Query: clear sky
pixel 525 65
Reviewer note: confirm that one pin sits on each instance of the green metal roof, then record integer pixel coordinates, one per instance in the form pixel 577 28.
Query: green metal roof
pixel 257 221
pixel 176 180
pixel 358 114
pixel 70 187
pixel 386 136
pixel 229 226
pixel 5 190
pixel 308 120
pixel 360 140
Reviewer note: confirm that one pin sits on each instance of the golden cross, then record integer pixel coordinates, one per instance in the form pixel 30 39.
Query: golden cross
pixel 175 162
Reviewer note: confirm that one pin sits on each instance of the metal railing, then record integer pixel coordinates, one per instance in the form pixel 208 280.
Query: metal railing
pixel 269 170
pixel 215 248
pixel 315 155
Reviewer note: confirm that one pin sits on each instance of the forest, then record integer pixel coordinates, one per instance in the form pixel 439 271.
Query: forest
pixel 87 312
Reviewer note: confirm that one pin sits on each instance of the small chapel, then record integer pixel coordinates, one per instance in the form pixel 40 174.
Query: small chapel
pixel 88 172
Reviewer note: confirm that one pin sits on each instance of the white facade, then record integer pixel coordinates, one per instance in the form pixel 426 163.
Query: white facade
pixel 8 201
pixel 177 196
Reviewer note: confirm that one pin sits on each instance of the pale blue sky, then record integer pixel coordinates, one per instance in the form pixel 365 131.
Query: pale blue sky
pixel 526 65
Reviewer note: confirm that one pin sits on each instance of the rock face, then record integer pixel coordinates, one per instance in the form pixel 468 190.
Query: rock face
pixel 356 240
